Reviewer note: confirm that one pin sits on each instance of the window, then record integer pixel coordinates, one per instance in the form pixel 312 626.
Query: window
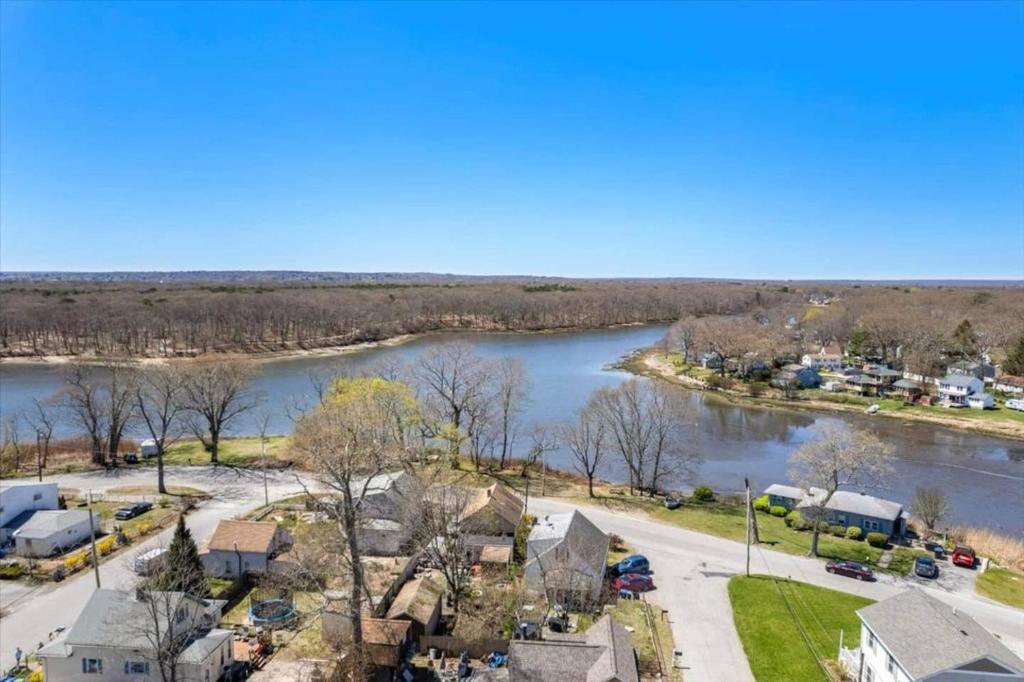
pixel 869 674
pixel 180 614
pixel 227 567
pixel 93 666
pixel 890 665
pixel 871 640
pixel 36 497
pixel 136 667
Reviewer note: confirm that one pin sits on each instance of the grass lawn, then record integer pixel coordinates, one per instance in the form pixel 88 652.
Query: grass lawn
pixel 157 517
pixel 150 490
pixel 903 560
pixel 770 614
pixel 1002 585
pixel 231 451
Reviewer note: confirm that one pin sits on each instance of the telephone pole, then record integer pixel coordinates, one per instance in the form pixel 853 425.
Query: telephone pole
pixel 746 483
pixel 92 540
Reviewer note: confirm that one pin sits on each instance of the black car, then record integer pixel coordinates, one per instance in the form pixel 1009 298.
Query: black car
pixel 131 458
pixel 936 548
pixel 925 567
pixel 130 511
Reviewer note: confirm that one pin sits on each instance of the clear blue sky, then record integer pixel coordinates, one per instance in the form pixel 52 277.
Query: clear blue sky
pixel 738 140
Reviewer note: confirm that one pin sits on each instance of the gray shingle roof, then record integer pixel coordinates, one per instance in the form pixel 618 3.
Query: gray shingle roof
pixel 790 491
pixel 588 544
pixel 961 380
pixel 865 505
pixel 604 652
pixel 45 523
pixel 925 636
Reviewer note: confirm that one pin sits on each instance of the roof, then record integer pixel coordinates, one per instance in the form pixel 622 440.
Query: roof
pixel 245 536
pixel 381 483
pixel 961 380
pixel 588 543
pixel 385 630
pixel 1010 380
pixel 199 650
pixel 882 372
pixel 417 599
pixel 950 639
pixel 497 500
pixel 863 379
pixel 907 384
pixel 790 491
pixel 864 505
pixel 604 652
pixel 496 554
pixel 9 484
pixel 43 524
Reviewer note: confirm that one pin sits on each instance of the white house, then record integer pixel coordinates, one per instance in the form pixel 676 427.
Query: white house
pixel 383 507
pixel 981 401
pixel 239 547
pixel 51 532
pixel 829 358
pixel 116 637
pixel 566 558
pixel 954 389
pixel 18 498
pixel 913 636
pixel 1010 384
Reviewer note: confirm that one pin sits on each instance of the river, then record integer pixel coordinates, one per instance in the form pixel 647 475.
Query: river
pixel 983 476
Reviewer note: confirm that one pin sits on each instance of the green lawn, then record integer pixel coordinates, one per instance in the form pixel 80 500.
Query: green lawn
pixel 773 618
pixel 1002 585
pixel 231 451
pixel 903 560
pixel 1000 413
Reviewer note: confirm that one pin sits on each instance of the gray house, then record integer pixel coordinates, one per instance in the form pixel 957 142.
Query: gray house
pixel 788 496
pixel 796 375
pixel 603 653
pixel 871 514
pixel 51 532
pixel 566 557
pixel 239 547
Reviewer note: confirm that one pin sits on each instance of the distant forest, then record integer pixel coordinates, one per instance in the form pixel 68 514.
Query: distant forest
pixel 187 318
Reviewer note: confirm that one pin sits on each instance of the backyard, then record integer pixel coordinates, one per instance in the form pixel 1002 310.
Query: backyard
pixel 790 629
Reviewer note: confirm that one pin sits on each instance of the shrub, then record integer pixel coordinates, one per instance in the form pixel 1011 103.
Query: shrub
pixel 792 517
pixel 778 510
pixel 823 526
pixel 761 504
pixel 718 382
pixel 854 533
pixel 703 493
pixel 838 531
pixel 757 388
pixel 878 539
pixel 11 572
pixel 106 545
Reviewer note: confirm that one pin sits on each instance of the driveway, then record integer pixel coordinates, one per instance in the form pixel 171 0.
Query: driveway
pixel 692 571
pixel 29 616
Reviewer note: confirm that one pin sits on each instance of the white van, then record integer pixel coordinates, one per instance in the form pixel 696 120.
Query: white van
pixel 1015 404
pixel 150 562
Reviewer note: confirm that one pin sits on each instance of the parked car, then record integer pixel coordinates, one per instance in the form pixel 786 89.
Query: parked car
pixel 925 567
pixel 637 563
pixel 131 458
pixel 672 502
pixel 130 511
pixel 634 582
pixel 936 548
pixel 963 556
pixel 850 569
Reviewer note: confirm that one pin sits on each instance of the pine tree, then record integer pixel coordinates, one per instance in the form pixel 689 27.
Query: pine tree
pixel 965 341
pixel 1015 359
pixel 183 569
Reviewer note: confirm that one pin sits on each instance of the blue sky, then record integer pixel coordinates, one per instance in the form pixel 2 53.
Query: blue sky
pixel 756 140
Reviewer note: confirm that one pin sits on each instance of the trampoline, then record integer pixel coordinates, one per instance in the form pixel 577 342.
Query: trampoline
pixel 271 607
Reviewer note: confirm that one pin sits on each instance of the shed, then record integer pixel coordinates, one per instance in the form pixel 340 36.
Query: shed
pixel 51 532
pixel 419 601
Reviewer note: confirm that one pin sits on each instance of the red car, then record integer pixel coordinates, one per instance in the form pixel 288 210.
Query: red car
pixel 850 569
pixel 634 582
pixel 963 556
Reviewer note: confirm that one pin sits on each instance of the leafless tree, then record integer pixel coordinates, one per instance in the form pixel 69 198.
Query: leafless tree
pixel 586 439
pixel 512 389
pixel 101 399
pixel 10 443
pixel 837 458
pixel 215 394
pixel 43 418
pixel 930 505
pixel 443 531
pixel 159 403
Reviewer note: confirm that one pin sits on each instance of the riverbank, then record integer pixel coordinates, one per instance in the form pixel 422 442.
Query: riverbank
pixel 1004 423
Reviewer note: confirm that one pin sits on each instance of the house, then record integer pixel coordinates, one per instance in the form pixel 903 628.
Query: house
pixel 711 360
pixel 50 532
pixel 493 511
pixel 119 634
pixel 1010 384
pixel 981 370
pixel 862 384
pixel 796 375
pixel 384 503
pixel 566 557
pixel 419 601
pixel 787 496
pixel 914 636
pixel 883 375
pixel 954 389
pixel 871 514
pixel 239 547
pixel 18 498
pixel 909 390
pixel 829 358
pixel 603 653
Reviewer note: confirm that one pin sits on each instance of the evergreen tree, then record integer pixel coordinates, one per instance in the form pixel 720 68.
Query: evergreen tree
pixel 183 569
pixel 1015 359
pixel 965 341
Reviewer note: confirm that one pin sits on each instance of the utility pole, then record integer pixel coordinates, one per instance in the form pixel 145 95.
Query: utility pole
pixel 543 475
pixel 526 503
pixel 39 454
pixel 746 483
pixel 263 458
pixel 92 540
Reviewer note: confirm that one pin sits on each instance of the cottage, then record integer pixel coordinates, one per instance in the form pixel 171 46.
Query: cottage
pixel 909 390
pixel 954 389
pixel 122 635
pixel 566 559
pixel 604 652
pixel 914 636
pixel 18 498
pixel 384 640
pixel 884 376
pixel 383 507
pixel 49 532
pixel 862 384
pixel 1010 384
pixel 787 496
pixel 796 375
pixel 419 601
pixel 711 360
pixel 871 514
pixel 493 511
pixel 239 547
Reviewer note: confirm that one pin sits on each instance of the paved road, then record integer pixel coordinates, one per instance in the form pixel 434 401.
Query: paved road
pixel 30 615
pixel 692 571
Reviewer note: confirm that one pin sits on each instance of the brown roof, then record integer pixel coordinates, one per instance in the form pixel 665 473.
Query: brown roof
pixel 384 630
pixel 495 554
pixel 417 599
pixel 498 499
pixel 1010 380
pixel 249 536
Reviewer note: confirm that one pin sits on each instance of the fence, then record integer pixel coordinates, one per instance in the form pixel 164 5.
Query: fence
pixel 453 646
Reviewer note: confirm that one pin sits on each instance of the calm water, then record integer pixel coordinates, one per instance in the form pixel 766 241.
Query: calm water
pixel 983 476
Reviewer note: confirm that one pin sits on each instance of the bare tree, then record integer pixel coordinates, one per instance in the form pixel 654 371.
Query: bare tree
pixel 585 437
pixel 930 505
pixel 451 379
pixel 158 401
pixel 101 400
pixel 512 388
pixel 10 443
pixel 349 440
pixel 836 459
pixel 43 419
pixel 443 530
pixel 215 394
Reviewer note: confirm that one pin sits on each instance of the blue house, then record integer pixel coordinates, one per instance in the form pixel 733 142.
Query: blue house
pixel 870 514
pixel 796 375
